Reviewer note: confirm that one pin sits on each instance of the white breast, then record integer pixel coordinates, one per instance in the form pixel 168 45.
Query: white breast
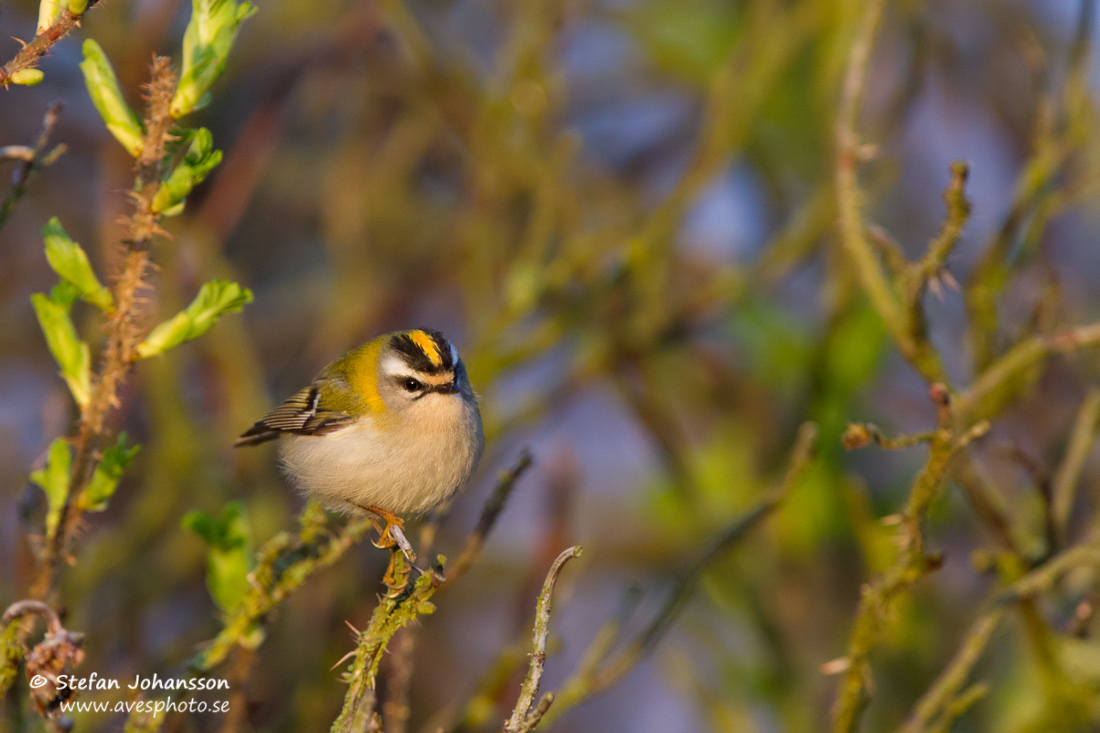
pixel 404 471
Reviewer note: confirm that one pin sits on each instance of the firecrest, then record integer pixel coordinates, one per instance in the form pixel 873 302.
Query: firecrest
pixel 392 428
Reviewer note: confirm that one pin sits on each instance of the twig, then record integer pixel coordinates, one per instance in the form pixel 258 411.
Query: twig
pixel 596 674
pixel 12 635
pixel 913 563
pixel 1018 369
pixel 284 563
pixel 489 514
pixel 19 609
pixel 928 272
pixel 1063 127
pixel 28 56
pixel 56 654
pixel 1081 440
pixel 861 434
pixel 917 351
pixel 390 616
pixel 523 719
pixel 987 504
pixel 943 698
pixel 31 160
pixel 944 691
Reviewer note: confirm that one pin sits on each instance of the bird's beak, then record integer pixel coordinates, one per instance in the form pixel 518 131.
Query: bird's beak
pixel 449 388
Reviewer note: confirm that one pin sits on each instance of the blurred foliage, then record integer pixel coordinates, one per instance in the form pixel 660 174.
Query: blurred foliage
pixel 663 235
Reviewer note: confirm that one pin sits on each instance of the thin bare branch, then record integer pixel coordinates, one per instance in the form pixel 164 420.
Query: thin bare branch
pixel 523 718
pixel 31 160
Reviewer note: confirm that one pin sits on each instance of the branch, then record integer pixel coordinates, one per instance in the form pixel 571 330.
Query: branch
pixel 928 271
pixel 943 697
pixel 284 563
pixel 1081 440
pixel 123 330
pixel 878 597
pixel 861 434
pixel 31 160
pixel 390 616
pixel 944 692
pixel 917 351
pixel 1018 369
pixel 596 673
pixel 523 718
pixel 28 56
pixel 489 514
pixel 56 654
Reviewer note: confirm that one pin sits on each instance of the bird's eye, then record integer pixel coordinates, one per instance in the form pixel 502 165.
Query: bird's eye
pixel 412 385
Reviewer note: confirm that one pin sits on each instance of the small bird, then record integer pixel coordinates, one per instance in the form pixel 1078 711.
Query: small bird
pixel 392 428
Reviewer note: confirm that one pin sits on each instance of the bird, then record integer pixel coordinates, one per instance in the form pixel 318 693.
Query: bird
pixel 392 428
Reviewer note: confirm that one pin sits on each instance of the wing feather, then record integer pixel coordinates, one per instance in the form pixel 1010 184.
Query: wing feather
pixel 300 414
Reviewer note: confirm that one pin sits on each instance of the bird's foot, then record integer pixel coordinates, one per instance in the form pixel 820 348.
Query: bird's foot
pixel 392 534
pixel 398 573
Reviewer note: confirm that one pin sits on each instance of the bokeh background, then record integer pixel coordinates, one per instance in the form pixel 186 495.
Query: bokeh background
pixel 623 214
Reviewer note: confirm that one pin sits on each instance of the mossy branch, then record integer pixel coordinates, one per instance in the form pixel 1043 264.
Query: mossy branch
pixel 392 614
pixel 912 564
pixel 872 278
pixel 283 564
pixel 944 692
pixel 943 698
pixel 1017 371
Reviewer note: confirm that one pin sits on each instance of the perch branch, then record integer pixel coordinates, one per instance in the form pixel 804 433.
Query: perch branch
pixel 391 615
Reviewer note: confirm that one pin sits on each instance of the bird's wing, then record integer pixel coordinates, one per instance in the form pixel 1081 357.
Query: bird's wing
pixel 301 414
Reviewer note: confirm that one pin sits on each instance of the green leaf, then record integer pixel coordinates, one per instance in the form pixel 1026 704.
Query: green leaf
pixel 229 558
pixel 197 162
pixel 215 299
pixel 108 473
pixel 26 77
pixel 68 350
pixel 54 481
pixel 77 7
pixel 70 262
pixel 206 44
pixel 103 87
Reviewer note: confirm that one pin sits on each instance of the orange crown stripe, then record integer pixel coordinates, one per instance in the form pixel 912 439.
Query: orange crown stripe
pixel 427 345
